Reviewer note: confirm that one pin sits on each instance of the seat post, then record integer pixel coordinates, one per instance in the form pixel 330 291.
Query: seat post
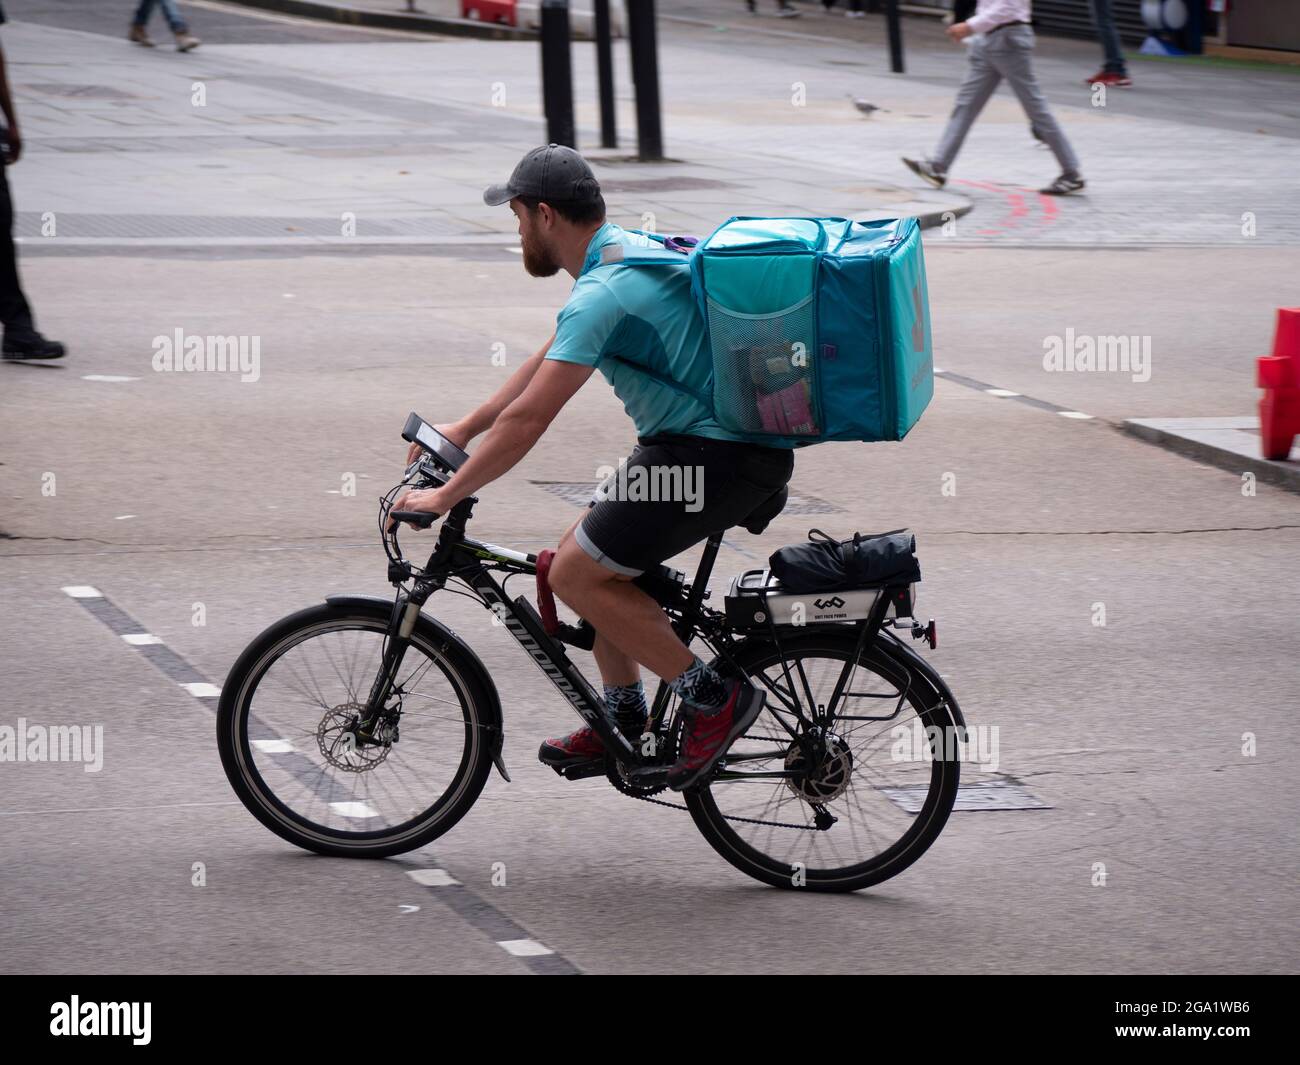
pixel 700 584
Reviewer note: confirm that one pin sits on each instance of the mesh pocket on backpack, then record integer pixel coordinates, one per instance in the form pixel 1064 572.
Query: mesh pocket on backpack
pixel 764 374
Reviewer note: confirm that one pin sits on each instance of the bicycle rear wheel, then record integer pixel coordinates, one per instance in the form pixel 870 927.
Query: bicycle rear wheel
pixel 887 810
pixel 283 729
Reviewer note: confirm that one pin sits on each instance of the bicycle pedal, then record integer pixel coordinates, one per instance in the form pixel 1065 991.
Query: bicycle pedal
pixel 582 770
pixel 649 774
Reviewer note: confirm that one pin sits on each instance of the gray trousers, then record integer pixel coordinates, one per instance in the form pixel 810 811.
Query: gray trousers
pixel 1003 54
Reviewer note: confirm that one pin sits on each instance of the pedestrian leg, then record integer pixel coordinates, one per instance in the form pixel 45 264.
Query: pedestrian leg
pixel 1011 54
pixel 14 310
pixel 1104 19
pixel 976 88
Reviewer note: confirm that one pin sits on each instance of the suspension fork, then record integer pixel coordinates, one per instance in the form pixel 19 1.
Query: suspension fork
pixel 406 613
pixel 401 624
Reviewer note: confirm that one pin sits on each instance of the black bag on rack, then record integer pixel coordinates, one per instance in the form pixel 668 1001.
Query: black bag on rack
pixel 824 564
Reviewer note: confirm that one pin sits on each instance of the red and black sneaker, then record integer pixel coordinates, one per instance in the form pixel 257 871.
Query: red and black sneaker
pixel 1110 77
pixel 706 737
pixel 573 749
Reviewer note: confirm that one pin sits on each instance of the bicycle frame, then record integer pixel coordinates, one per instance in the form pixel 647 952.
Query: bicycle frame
pixel 474 562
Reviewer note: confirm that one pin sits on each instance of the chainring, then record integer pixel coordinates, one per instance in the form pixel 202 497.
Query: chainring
pixel 617 772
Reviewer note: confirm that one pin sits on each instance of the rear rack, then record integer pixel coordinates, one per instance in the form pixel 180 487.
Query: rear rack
pixel 756 600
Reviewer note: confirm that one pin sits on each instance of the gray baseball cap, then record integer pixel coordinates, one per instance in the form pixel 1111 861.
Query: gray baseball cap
pixel 553 173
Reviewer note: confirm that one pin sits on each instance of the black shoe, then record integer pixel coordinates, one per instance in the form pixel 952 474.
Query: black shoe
pixel 1063 186
pixel 31 345
pixel 926 170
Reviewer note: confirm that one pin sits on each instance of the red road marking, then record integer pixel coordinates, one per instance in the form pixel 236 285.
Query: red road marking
pixel 1017 207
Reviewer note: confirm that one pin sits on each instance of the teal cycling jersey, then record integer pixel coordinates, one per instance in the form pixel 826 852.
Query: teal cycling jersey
pixel 616 315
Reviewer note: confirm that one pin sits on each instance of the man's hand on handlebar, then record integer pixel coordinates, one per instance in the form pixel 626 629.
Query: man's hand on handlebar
pixel 453 432
pixel 422 501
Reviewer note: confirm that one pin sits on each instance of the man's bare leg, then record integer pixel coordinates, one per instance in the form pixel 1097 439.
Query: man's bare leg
pixel 637 628
pixel 615 666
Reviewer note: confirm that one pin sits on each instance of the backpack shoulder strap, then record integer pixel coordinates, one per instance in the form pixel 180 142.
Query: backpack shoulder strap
pixel 664 251
pixel 665 380
pixel 630 255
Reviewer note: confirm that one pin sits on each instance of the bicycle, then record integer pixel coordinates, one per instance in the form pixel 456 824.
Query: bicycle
pixel 362 727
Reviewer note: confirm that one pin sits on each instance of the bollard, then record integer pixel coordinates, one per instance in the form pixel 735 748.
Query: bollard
pixel 895 36
pixel 645 78
pixel 1279 376
pixel 605 75
pixel 557 74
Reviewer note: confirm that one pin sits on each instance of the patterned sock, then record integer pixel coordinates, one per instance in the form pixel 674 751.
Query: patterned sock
pixel 700 686
pixel 626 702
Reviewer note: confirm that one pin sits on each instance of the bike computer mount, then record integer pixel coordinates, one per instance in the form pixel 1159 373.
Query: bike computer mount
pixel 437 447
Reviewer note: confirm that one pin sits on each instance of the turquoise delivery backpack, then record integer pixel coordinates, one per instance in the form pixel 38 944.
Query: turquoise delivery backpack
pixel 819 328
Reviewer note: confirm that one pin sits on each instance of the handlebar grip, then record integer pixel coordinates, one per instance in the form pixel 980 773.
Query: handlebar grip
pixel 421 519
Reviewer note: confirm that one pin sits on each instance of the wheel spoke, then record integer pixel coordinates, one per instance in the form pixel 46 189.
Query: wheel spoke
pixel 842 768
pixel 319 782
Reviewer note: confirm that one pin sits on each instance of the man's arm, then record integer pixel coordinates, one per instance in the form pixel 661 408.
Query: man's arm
pixel 511 437
pixel 482 418
pixel 11 116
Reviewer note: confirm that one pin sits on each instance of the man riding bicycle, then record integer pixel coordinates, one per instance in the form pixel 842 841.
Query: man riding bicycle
pixel 620 320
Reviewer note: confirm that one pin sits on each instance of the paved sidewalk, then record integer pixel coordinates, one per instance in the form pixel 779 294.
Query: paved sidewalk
pixel 1229 443
pixel 327 144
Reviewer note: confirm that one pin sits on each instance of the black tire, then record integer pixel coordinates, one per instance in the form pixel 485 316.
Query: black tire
pixel 931 708
pixel 466 677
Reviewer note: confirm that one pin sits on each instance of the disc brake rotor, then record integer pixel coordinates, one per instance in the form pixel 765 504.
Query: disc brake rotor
pixel 343 748
pixel 828 779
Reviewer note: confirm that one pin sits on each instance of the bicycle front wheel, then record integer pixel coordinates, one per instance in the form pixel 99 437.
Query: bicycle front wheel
pixel 832 807
pixel 286 731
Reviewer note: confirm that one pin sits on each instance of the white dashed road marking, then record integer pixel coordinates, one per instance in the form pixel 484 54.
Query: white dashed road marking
pixel 1006 393
pixel 358 811
pixel 491 922
pixel 432 877
pixel 202 690
pixel 524 948
pixel 477 912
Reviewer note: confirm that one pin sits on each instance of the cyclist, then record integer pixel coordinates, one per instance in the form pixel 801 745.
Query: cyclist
pixel 620 320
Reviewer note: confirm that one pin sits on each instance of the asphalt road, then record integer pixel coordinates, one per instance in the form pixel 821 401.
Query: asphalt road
pixel 173 490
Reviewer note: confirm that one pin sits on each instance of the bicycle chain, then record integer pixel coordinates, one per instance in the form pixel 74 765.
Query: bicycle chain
pixel 626 789
pixel 728 817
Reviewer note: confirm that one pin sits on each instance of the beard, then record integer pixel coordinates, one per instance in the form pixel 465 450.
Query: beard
pixel 538 261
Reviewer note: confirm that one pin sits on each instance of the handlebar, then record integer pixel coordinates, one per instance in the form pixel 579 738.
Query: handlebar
pixel 421 519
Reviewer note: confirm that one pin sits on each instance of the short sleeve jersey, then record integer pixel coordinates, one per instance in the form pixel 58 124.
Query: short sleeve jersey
pixel 648 317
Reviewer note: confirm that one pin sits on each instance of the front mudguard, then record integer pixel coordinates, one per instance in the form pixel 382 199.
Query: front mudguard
pixel 456 650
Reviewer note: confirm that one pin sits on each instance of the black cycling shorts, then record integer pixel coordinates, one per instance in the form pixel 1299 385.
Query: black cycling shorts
pixel 672 492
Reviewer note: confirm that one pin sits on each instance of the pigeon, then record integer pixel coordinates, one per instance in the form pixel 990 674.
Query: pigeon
pixel 865 106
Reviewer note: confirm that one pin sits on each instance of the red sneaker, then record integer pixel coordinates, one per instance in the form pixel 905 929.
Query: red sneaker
pixel 1106 77
pixel 707 736
pixel 573 749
